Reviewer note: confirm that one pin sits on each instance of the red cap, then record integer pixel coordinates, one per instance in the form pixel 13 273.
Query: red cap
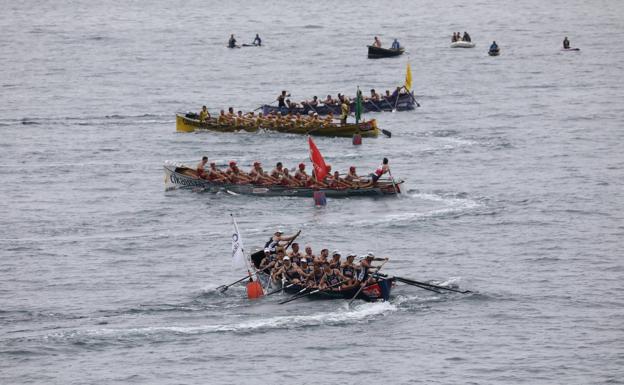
pixel 301 166
pixel 352 168
pixel 256 163
pixel 232 163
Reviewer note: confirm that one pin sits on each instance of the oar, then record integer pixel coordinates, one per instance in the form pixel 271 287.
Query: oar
pixel 418 283
pixel 396 192
pixel 298 295
pixel 386 133
pixel 362 287
pixel 223 288
pixel 280 289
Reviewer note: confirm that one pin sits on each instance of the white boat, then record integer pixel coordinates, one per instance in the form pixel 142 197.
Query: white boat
pixel 462 44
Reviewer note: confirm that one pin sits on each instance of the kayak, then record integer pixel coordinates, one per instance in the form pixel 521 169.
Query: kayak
pixel 463 44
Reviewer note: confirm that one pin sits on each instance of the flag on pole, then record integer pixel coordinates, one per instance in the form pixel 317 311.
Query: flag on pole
pixel 238 253
pixel 320 169
pixel 408 78
pixel 358 106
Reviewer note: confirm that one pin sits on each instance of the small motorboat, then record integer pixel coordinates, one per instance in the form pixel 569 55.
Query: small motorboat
pixel 494 52
pixel 462 44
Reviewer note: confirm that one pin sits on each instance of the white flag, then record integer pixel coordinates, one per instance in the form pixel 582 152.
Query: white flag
pixel 238 254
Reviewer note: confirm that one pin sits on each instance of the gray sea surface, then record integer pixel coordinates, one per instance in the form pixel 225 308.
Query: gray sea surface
pixel 514 173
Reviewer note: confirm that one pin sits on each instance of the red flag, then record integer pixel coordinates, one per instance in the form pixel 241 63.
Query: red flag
pixel 320 169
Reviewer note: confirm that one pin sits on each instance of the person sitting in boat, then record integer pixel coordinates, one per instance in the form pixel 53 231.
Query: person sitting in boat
pixel 566 43
pixel 278 171
pixel 329 101
pixel 301 175
pixel 281 99
pixel 494 47
pixel 349 270
pixel 236 175
pixel 216 175
pixel 336 182
pixel 232 42
pixel 335 262
pixel 466 37
pixel 395 44
pixel 322 257
pixel 396 92
pixel 383 169
pixel 352 178
pixel 366 265
pixel 291 272
pixel 257 41
pixel 377 42
pixel 223 119
pixel 454 38
pixel 204 114
pixel 314 102
pixel 201 171
pixel 230 112
pixel 308 254
pixel 306 270
pixel 258 176
pixel 295 254
pixel 287 180
pixel 266 262
pixel 388 96
pixel 332 278
pixel 374 96
pixel 314 278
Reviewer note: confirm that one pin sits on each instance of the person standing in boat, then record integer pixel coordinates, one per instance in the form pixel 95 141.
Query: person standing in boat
pixel 383 169
pixel 377 42
pixel 395 44
pixel 200 170
pixel 366 266
pixel 344 111
pixel 204 114
pixel 232 42
pixel 257 41
pixel 281 99
pixel 277 238
pixel 566 43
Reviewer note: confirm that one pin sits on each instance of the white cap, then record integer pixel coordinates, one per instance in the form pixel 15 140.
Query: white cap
pixel 303 260
pixel 335 252
pixel 267 250
pixel 286 258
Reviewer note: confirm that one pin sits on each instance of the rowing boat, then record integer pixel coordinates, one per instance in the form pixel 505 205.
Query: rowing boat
pixel 405 102
pixel 373 293
pixel 378 53
pixel 190 123
pixel 462 44
pixel 184 177
pixel 495 52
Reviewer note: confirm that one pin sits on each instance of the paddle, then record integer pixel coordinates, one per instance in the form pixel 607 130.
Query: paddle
pixel 298 295
pixel 362 287
pixel 420 284
pixel 396 192
pixel 412 96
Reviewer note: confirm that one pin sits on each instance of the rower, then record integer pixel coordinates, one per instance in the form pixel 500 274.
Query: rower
pixel 232 42
pixel 377 42
pixel 295 254
pixel 301 175
pixel 267 261
pixel 291 272
pixel 566 43
pixel 352 177
pixel 344 111
pixel 349 270
pixel 329 101
pixel 335 262
pixel 338 182
pixel 278 171
pixel 332 278
pixel 365 266
pixel 374 96
pixel 200 170
pixel 395 44
pixel 322 258
pixel 308 254
pixel 314 102
pixel 258 175
pixel 216 175
pixel 223 119
pixel 236 175
pixel 314 279
pixel 306 270
pixel 204 114
pixel 257 41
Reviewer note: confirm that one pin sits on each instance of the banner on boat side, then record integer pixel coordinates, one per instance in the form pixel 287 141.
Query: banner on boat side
pixel 238 253
pixel 318 163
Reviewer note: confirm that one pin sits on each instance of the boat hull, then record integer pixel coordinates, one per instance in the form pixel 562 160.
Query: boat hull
pixel 379 53
pixel 185 123
pixel 463 44
pixel 405 102
pixel 494 53
pixel 373 293
pixel 182 177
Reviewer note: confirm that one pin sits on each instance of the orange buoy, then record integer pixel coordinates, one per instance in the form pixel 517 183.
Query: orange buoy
pixel 254 290
pixel 357 139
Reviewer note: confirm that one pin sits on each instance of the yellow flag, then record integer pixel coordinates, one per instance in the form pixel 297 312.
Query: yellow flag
pixel 408 78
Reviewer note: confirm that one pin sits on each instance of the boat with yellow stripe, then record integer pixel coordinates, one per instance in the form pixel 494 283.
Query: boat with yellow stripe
pixel 190 123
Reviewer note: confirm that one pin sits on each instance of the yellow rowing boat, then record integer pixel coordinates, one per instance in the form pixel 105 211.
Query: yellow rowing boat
pixel 191 123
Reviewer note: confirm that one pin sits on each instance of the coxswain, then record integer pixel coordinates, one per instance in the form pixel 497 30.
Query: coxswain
pixel 329 101
pixel 344 111
pixel 236 175
pixel 377 42
pixel 566 43
pixel 200 170
pixel 395 44
pixel 332 278
pixel 365 269
pixel 232 42
pixel 281 99
pixel 278 239
pixel 383 169
pixel 204 114
pixel 257 41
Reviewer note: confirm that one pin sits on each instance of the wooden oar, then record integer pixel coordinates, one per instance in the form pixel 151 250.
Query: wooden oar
pixel 298 295
pixel 417 285
pixel 425 284
pixel 362 287
pixel 223 288
pixel 396 192
pixel 280 289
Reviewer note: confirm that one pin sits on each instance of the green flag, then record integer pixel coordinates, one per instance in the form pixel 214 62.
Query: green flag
pixel 358 106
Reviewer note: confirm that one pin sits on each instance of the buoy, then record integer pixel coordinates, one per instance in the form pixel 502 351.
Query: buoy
pixel 319 198
pixel 254 290
pixel 357 139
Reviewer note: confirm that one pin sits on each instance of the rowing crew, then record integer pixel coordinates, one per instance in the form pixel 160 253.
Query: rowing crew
pixel 272 119
pixel 322 271
pixel 280 175
pixel 283 102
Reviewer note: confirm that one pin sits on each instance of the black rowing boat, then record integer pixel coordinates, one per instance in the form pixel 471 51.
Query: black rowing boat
pixel 378 53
